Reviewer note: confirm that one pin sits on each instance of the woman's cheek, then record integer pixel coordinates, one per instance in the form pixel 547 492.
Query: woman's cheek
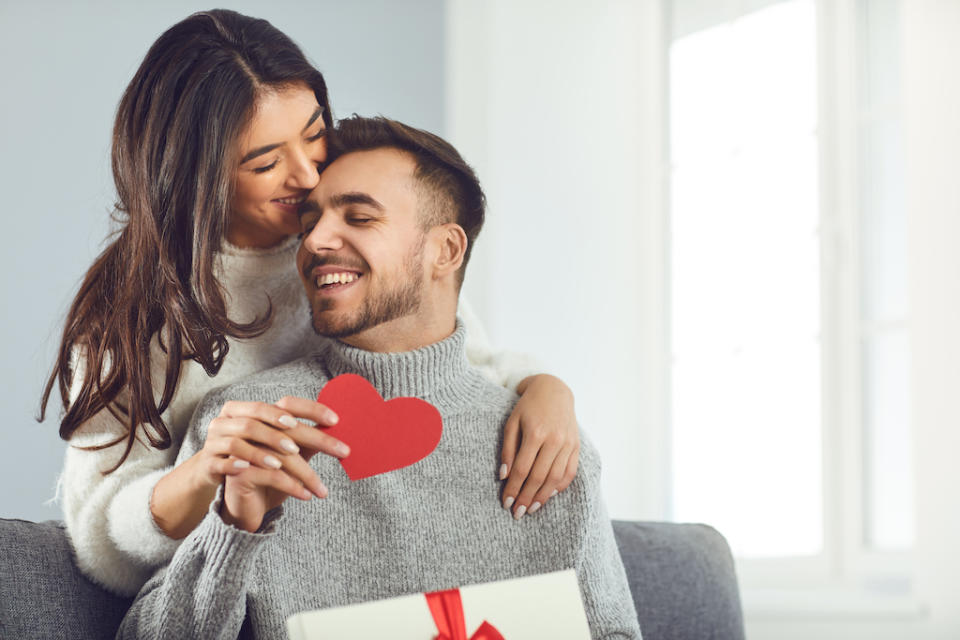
pixel 254 190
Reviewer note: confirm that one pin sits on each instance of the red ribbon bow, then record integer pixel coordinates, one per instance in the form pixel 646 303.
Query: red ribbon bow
pixel 446 607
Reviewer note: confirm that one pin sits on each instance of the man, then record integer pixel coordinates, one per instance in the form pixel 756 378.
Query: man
pixel 387 235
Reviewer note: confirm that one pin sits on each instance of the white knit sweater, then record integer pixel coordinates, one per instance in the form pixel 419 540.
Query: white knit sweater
pixel 108 517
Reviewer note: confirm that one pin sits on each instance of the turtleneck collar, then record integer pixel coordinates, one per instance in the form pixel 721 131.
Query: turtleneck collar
pixel 438 368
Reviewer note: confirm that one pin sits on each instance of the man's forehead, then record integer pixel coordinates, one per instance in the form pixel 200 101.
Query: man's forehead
pixel 382 169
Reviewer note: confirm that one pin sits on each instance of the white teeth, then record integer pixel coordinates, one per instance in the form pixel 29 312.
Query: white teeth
pixel 331 278
pixel 289 200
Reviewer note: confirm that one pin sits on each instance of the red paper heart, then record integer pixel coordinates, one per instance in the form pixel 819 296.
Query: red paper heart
pixel 382 436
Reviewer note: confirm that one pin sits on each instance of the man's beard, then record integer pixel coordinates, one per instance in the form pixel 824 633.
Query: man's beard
pixel 377 308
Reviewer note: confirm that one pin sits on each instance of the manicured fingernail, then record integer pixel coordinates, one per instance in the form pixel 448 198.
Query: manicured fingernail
pixel 519 512
pixel 240 464
pixel 288 421
pixel 305 494
pixel 534 507
pixel 320 491
pixel 290 446
pixel 332 418
pixel 272 462
pixel 508 502
pixel 555 492
pixel 503 471
pixel 342 450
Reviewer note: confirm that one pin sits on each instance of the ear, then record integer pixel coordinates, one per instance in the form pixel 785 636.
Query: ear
pixel 448 243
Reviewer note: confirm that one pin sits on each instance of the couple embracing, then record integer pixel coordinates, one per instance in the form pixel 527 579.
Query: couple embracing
pixel 263 252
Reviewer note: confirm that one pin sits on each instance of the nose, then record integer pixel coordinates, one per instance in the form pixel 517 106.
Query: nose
pixel 304 168
pixel 324 236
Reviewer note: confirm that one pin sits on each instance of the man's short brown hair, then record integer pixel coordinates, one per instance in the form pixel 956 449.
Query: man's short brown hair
pixel 447 187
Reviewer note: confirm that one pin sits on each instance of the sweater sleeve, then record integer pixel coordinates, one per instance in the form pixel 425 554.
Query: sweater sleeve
pixel 202 592
pixel 603 580
pixel 115 539
pixel 503 368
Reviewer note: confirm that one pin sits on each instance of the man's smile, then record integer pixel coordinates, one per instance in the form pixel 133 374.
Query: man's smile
pixel 330 278
pixel 344 277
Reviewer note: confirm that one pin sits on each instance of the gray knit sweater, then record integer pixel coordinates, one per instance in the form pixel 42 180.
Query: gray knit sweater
pixel 437 524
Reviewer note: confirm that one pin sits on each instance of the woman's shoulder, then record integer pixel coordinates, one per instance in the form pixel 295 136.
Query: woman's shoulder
pixel 301 377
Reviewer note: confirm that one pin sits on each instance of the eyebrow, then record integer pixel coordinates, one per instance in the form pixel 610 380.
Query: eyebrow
pixel 340 200
pixel 354 197
pixel 313 118
pixel 259 151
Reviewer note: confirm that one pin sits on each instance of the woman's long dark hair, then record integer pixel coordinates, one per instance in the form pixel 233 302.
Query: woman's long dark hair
pixel 174 156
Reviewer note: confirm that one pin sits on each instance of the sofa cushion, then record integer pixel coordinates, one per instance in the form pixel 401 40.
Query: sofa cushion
pixel 681 576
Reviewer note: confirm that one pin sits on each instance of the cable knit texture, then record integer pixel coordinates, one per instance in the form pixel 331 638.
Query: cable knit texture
pixel 115 538
pixel 434 525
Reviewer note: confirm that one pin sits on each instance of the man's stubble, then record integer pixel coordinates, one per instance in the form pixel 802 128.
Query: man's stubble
pixel 378 307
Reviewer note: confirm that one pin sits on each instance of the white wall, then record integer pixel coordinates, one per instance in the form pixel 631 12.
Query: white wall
pixel 932 73
pixel 64 66
pixel 557 105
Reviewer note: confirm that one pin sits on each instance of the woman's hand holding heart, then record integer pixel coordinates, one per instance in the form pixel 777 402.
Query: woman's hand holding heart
pixel 243 440
pixel 254 489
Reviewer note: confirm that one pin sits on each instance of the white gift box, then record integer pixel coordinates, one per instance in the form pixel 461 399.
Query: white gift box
pixel 534 607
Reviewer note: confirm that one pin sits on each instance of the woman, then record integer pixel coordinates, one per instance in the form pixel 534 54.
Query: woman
pixel 217 139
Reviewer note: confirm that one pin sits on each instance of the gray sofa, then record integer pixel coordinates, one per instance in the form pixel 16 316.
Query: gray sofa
pixel 681 576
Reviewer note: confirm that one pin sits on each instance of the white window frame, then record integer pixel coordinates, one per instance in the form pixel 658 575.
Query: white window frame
pixel 843 118
pixel 847 578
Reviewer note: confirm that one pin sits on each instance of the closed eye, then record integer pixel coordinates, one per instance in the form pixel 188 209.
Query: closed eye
pixel 266 168
pixel 320 134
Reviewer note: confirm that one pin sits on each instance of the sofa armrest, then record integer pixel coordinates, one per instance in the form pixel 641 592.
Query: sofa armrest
pixel 43 594
pixel 682 579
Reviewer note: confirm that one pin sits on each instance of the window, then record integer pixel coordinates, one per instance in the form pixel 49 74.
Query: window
pixel 745 281
pixel 884 303
pixel 789 313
